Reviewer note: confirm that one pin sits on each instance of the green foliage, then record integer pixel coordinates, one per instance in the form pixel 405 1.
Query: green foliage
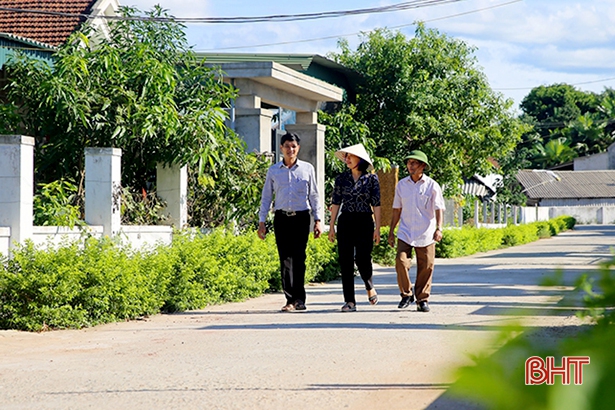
pixel 76 285
pixel 429 93
pixel 599 294
pixel 469 240
pixel 144 91
pixel 233 197
pixel 9 118
pixel 496 381
pixel 321 261
pixel 97 281
pixel 383 253
pixel 56 204
pixel 217 267
pixel 141 208
pixel 514 235
pixel 566 123
pixel 543 229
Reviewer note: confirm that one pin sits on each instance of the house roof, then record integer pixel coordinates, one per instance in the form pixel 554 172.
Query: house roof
pixel 44 28
pixel 10 42
pixel 547 184
pixel 313 65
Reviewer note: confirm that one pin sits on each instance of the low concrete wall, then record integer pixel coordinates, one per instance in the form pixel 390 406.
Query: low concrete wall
pixel 138 237
pixel 141 237
pixel 54 236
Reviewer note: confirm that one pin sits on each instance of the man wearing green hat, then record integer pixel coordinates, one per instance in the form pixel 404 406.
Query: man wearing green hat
pixel 419 205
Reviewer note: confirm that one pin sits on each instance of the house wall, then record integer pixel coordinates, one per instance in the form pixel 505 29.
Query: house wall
pixel 592 162
pixel 604 215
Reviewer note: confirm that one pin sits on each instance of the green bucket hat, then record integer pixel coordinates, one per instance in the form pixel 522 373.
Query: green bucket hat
pixel 419 155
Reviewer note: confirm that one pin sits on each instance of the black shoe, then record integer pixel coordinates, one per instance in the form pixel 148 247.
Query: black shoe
pixel 299 305
pixel 405 301
pixel 423 306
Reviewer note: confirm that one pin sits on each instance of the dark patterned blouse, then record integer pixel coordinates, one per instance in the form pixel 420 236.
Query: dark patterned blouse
pixel 358 196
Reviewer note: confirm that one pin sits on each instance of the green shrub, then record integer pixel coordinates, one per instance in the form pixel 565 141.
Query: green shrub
pixel 217 267
pixel 56 204
pixel 514 235
pixel 97 281
pixel 75 285
pixel 469 240
pixel 321 262
pixel 543 230
pixel 497 380
pixel 383 254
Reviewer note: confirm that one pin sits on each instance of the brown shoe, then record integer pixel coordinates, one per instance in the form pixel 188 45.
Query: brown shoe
pixel 289 307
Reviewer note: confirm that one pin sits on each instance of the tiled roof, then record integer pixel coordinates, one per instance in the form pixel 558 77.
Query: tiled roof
pixel 44 28
pixel 542 184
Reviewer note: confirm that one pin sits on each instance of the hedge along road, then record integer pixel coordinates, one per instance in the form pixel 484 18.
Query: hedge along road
pixel 251 356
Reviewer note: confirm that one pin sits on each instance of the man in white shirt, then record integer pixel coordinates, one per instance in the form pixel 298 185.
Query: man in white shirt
pixel 419 205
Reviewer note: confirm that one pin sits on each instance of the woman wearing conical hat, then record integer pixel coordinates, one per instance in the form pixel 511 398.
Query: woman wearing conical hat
pixel 357 195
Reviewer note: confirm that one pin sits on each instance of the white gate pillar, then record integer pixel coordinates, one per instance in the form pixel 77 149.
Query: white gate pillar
pixel 172 187
pixel 17 185
pixel 103 188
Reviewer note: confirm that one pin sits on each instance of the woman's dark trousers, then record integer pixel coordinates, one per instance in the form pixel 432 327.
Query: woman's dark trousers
pixel 355 235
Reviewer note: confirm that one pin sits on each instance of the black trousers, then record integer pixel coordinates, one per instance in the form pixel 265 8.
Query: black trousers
pixel 291 237
pixel 355 235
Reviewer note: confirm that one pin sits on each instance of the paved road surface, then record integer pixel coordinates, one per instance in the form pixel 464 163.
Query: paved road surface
pixel 250 356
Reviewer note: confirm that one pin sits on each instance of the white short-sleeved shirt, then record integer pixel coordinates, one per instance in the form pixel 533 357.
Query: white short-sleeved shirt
pixel 418 202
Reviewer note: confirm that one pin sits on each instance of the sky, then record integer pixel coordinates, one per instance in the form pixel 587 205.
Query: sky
pixel 519 44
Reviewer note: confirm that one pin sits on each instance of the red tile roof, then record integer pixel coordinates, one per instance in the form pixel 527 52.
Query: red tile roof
pixel 45 28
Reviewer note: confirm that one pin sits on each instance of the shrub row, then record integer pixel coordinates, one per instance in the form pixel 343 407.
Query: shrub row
pixel 98 281
pixel 469 240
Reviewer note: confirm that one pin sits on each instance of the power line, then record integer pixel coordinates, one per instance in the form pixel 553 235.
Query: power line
pixel 357 33
pixel 246 19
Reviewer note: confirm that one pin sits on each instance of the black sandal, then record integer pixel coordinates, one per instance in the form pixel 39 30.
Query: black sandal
pixel 349 307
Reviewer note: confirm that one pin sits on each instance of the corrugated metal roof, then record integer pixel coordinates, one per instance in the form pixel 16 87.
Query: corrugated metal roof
pixel 9 43
pixel 540 184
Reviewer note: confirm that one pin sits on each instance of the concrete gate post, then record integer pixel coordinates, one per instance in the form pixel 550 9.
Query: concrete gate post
pixel 172 187
pixel 17 186
pixel 313 151
pixel 103 188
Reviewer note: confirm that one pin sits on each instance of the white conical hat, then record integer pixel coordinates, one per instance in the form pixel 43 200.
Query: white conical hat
pixel 358 150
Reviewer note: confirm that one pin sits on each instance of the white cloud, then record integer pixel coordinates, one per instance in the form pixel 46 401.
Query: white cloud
pixel 520 45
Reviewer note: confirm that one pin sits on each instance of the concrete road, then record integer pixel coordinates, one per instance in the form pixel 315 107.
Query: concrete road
pixel 251 356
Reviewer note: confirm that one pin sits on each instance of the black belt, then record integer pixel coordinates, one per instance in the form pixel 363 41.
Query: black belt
pixel 290 213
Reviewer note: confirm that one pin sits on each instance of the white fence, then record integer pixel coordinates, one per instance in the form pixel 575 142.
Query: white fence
pixel 102 199
pixel 492 215
pixel 102 202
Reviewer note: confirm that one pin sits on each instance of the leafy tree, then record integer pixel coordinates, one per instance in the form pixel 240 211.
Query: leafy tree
pixel 428 93
pixel 556 105
pixel 554 152
pixel 143 90
pixel 561 112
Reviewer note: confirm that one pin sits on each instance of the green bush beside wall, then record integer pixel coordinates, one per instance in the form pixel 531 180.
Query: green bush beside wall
pixel 98 281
